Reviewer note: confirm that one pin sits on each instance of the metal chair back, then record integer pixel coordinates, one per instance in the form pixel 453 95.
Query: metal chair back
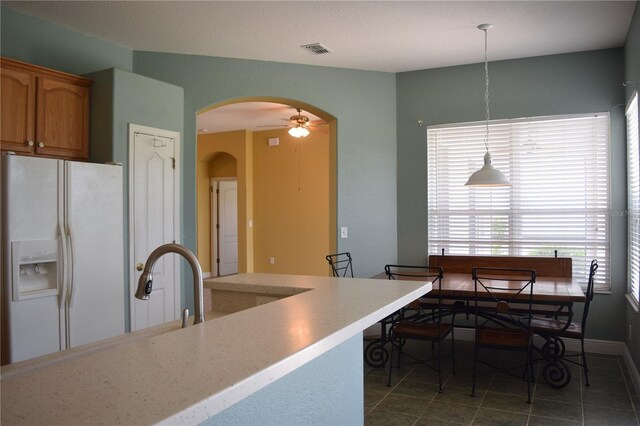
pixel 509 289
pixel 589 295
pixel 341 264
pixel 419 273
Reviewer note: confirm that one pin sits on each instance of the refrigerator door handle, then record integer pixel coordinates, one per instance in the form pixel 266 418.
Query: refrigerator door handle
pixel 72 258
pixel 64 273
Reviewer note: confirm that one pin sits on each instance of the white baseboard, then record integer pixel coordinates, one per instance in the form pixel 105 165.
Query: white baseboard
pixel 206 275
pixel 633 371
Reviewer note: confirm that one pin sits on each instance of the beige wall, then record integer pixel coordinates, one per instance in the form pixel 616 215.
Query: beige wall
pixel 287 190
pixel 292 202
pixel 214 152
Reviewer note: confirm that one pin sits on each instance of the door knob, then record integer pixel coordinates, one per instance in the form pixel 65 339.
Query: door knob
pixel 140 266
pixel 30 143
pixel 41 144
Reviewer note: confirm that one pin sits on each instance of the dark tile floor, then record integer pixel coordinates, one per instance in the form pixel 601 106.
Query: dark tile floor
pixel 413 397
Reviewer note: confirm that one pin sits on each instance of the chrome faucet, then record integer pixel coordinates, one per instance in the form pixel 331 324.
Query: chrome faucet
pixel 145 282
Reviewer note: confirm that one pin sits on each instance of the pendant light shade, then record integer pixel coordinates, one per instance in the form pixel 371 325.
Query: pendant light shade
pixel 487 175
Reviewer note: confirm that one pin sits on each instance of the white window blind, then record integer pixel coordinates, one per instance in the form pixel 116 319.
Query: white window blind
pixel 633 198
pixel 559 198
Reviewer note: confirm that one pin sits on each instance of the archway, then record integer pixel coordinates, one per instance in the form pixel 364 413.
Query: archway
pixel 286 193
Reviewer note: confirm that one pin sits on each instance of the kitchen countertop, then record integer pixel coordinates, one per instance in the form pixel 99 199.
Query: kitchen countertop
pixel 188 375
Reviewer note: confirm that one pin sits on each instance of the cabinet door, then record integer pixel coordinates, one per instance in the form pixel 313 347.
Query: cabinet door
pixel 17 110
pixel 62 119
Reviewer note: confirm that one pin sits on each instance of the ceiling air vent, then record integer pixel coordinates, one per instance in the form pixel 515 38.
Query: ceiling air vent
pixel 317 48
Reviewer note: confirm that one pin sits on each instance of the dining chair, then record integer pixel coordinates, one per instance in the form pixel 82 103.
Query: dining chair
pixel 497 294
pixel 421 325
pixel 341 264
pixel 553 330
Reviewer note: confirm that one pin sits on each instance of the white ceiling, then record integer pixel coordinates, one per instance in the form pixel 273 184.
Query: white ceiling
pixel 253 116
pixel 391 36
pixel 388 36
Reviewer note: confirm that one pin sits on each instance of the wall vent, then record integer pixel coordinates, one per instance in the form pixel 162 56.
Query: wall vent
pixel 316 48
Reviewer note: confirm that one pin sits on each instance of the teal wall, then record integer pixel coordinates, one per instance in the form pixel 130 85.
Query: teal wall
pixel 120 98
pixel 632 73
pixel 31 40
pixel 381 170
pixel 329 390
pixel 363 103
pixel 550 85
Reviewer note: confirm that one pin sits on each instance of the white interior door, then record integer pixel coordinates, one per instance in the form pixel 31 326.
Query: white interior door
pixel 225 226
pixel 153 200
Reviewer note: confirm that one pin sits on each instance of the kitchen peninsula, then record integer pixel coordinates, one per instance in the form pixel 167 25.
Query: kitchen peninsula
pixel 250 366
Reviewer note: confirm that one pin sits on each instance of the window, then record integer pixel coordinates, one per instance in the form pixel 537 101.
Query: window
pixel 559 169
pixel 633 199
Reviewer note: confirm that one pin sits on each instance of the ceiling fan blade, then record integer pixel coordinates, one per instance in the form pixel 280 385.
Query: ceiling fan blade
pixel 276 125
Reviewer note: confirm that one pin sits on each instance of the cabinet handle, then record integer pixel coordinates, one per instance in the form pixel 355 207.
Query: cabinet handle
pixel 41 144
pixel 29 143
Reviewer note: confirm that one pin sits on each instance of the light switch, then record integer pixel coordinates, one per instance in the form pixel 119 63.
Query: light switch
pixel 272 261
pixel 344 232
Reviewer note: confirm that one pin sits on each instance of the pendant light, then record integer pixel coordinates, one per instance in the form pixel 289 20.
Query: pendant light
pixel 487 175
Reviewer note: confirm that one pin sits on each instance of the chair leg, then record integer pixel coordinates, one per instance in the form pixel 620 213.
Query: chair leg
pixel 584 363
pixel 439 364
pixel 528 374
pixel 475 366
pixel 533 378
pixel 453 352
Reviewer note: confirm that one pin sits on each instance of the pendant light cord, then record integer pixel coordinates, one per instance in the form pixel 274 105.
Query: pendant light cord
pixel 486 91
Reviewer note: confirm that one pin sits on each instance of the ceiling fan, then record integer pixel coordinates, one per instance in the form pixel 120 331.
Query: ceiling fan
pixel 299 125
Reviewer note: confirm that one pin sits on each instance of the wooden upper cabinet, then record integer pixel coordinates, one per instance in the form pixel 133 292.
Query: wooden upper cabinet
pixel 17 116
pixel 44 112
pixel 62 125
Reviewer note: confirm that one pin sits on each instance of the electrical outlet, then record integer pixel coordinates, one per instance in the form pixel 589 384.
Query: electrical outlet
pixel 272 261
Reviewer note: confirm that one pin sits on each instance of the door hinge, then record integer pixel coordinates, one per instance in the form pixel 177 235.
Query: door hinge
pixel 217 226
pixel 218 260
pixel 173 162
pixel 217 191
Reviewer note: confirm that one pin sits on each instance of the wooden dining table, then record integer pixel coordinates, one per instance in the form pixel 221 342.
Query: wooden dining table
pixel 550 295
pixel 556 291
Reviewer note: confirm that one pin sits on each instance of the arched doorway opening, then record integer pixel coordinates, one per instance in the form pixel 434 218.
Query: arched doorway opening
pixel 286 188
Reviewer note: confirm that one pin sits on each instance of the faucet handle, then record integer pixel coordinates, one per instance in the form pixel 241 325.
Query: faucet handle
pixel 140 266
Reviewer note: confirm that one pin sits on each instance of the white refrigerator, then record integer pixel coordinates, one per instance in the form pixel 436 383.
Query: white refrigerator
pixel 62 260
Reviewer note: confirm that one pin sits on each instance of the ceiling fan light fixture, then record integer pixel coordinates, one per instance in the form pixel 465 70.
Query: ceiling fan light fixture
pixel 299 131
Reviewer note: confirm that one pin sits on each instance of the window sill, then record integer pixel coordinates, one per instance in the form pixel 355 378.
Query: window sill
pixel 633 303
